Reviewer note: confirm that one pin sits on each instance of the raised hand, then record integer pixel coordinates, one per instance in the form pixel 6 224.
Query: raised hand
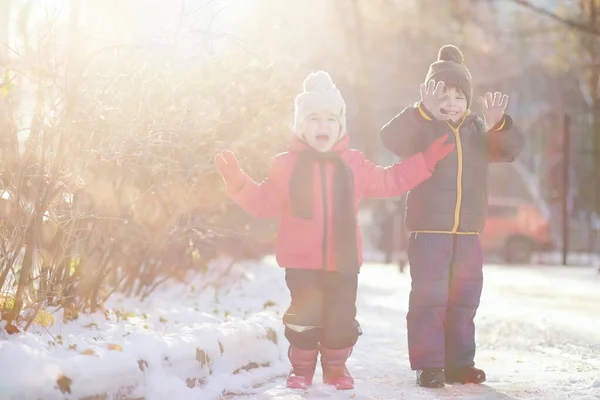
pixel 433 99
pixel 230 170
pixel 493 108
pixel 437 151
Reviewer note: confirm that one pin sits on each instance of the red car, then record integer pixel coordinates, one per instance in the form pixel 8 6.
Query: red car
pixel 515 229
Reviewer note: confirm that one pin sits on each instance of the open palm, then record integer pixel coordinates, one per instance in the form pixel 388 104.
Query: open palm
pixel 433 99
pixel 493 108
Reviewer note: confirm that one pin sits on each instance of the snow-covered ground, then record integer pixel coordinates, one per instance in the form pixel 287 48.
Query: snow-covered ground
pixel 538 337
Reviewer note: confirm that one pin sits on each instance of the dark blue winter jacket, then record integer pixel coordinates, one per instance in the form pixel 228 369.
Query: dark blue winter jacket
pixel 454 199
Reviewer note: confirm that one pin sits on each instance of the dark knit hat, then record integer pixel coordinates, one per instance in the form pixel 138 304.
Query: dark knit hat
pixel 450 69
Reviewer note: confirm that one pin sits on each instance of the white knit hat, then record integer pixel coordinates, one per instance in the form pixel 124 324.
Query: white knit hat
pixel 320 94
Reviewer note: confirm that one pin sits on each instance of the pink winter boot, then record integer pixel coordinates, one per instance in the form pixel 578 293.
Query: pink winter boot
pixel 304 363
pixel 334 368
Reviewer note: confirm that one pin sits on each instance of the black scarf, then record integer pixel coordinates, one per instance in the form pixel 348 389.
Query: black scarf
pixel 344 217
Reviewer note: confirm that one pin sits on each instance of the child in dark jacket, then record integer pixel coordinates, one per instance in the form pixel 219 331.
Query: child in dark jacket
pixel 315 189
pixel 446 214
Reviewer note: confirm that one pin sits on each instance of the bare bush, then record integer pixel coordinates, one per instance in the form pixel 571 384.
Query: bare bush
pixel 113 187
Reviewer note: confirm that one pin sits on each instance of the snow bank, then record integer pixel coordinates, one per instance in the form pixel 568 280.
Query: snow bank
pixel 183 336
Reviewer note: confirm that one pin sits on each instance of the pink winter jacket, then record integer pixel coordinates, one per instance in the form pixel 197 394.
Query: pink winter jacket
pixel 300 242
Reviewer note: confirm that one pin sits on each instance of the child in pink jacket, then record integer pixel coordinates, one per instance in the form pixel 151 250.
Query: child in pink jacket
pixel 315 188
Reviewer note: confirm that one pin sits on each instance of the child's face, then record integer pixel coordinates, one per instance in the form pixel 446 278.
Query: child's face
pixel 457 104
pixel 321 130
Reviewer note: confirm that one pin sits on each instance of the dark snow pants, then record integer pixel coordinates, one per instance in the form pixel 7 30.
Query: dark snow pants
pixel 447 279
pixel 322 310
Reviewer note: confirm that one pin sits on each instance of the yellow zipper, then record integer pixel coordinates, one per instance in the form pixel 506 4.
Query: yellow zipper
pixel 456 132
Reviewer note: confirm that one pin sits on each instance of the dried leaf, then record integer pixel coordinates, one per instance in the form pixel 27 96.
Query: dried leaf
pixel 115 347
pixel 64 384
pixel 43 318
pixel 88 352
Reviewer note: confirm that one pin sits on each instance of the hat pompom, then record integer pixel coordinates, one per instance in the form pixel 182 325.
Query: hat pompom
pixel 318 80
pixel 451 53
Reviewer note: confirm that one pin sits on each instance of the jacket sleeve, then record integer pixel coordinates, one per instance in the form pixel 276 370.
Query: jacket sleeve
pixel 400 135
pixel 382 182
pixel 265 199
pixel 504 142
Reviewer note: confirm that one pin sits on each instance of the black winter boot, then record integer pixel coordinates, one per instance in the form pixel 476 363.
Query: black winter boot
pixel 430 377
pixel 465 375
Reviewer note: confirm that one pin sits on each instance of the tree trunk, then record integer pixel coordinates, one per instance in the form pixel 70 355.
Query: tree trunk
pixel 590 44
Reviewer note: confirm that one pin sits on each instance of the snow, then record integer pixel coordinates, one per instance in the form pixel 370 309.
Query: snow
pixel 537 334
pixel 149 348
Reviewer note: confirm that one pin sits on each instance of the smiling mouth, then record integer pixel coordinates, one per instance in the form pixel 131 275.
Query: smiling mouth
pixel 322 137
pixel 449 112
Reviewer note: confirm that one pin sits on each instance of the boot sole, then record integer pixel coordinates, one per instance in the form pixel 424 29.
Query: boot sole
pixel 478 382
pixel 340 386
pixel 432 385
